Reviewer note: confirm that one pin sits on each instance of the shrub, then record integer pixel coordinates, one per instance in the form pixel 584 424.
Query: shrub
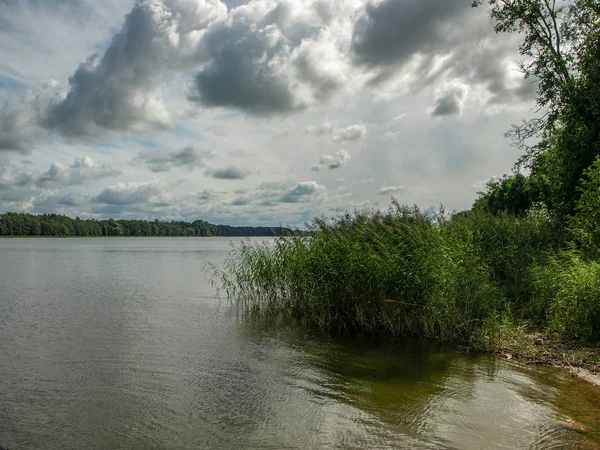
pixel 566 292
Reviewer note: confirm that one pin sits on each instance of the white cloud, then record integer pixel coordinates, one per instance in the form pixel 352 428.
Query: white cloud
pixel 332 161
pixel 133 193
pixel 268 86
pixel 351 133
pixel 82 170
pixel 388 190
pixel 482 184
pixel 301 192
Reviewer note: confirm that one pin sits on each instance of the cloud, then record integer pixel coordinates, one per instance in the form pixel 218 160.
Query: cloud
pixel 391 32
pixel 163 161
pixel 332 162
pixel 271 57
pixel 205 195
pixel 482 184
pixel 240 201
pixel 301 192
pixel 25 190
pixel 228 173
pixel 11 177
pixel 387 190
pixel 266 57
pixel 132 193
pixel 236 75
pixel 82 171
pixel 48 201
pixel 19 131
pixel 351 133
pixel 450 104
pixel 428 41
pixel 121 90
pixel 323 129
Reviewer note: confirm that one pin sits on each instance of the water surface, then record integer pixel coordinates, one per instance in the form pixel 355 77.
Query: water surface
pixel 121 343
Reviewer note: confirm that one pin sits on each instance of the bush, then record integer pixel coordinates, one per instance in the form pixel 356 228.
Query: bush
pixel 566 293
pixel 510 245
pixel 585 225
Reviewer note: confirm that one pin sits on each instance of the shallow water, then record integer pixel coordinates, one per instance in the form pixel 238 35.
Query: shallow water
pixel 121 343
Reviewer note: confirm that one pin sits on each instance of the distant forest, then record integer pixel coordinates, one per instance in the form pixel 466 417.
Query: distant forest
pixel 18 224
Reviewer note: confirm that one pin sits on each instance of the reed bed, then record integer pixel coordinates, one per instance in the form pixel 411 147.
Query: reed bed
pixel 398 272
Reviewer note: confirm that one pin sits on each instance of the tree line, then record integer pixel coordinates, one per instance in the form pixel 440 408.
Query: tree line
pixel 22 224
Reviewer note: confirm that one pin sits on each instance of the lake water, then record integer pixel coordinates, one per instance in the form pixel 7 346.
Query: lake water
pixel 121 343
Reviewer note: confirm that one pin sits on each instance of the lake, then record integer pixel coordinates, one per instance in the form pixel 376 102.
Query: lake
pixel 119 343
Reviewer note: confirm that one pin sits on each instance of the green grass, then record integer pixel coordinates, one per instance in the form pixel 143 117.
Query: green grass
pixel 400 272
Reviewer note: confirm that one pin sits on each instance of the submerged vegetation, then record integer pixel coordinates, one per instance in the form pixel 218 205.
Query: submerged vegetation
pixel 525 257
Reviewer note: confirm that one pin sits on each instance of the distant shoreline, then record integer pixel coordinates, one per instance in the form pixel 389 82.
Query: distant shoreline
pixel 57 225
pixel 132 237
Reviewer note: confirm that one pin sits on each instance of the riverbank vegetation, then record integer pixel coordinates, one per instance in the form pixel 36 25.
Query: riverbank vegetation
pixel 19 224
pixel 525 258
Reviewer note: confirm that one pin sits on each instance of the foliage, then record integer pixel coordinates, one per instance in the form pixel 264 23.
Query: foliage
pixel 544 45
pixel 511 194
pixel 566 295
pixel 394 272
pixel 561 46
pixel 585 225
pixel 15 224
pixel 510 245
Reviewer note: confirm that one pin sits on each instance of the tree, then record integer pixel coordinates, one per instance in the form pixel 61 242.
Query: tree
pixel 511 194
pixel 586 224
pixel 561 47
pixel 554 37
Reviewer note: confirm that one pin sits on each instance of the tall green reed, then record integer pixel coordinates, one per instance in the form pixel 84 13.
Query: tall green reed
pixel 401 272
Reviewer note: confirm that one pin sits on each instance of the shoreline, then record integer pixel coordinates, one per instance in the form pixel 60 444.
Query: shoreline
pixel 550 350
pixel 136 237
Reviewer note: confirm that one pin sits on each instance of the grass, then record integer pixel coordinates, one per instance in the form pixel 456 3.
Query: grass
pixel 473 278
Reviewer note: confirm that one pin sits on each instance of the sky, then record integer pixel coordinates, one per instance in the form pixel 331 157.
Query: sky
pixel 259 112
